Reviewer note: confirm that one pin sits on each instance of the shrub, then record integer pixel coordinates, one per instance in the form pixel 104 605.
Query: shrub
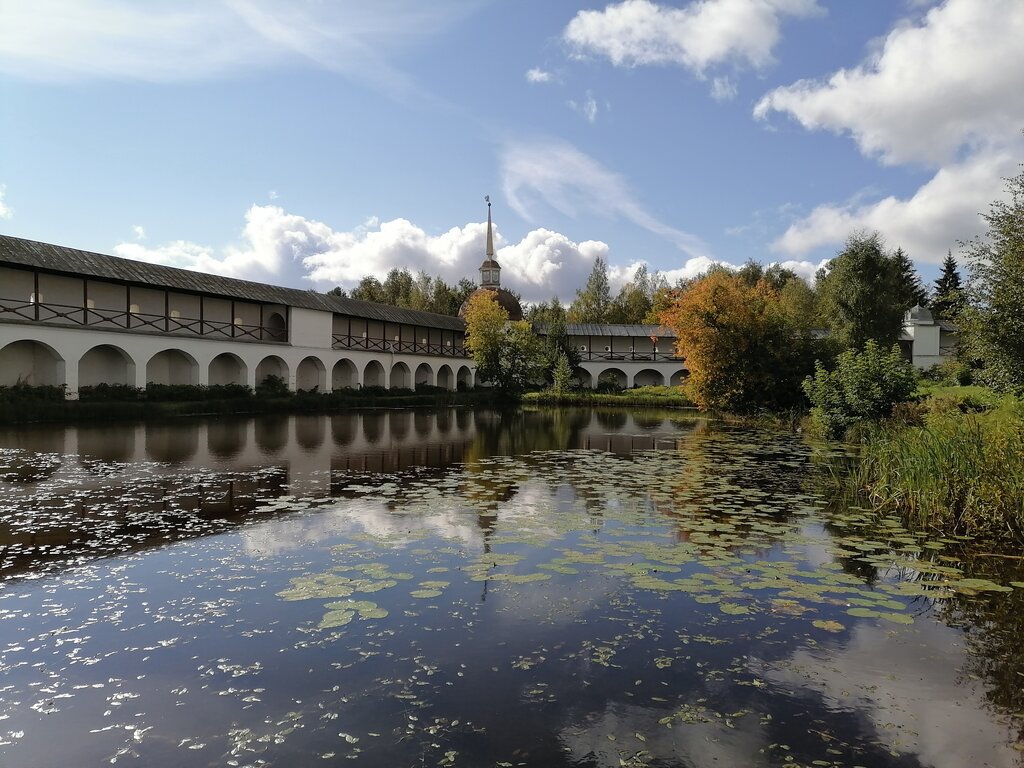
pixel 273 386
pixel 864 386
pixel 109 393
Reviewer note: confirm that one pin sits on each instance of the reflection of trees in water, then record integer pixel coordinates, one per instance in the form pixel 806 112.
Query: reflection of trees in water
pixel 107 443
pixel 444 418
pixel 373 426
pixel 422 422
pixel 309 431
pixel 399 423
pixel 463 419
pixel 225 438
pixel 172 443
pixel 611 419
pixel 343 428
pixel 271 433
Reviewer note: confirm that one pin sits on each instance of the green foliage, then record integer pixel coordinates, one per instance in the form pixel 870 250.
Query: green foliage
pixel 912 292
pixel 273 386
pixel 110 393
pixel 949 291
pixel 864 292
pixel 992 324
pixel 593 301
pixel 545 312
pixel 864 386
pixel 422 292
pixel 636 298
pixel 561 377
pixel 22 393
pixel 508 355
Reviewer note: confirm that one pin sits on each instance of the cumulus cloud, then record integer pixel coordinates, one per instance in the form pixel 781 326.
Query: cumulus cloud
pixel 170 40
pixel 942 92
pixel 699 36
pixel 5 210
pixel 932 88
pixel 572 183
pixel 538 75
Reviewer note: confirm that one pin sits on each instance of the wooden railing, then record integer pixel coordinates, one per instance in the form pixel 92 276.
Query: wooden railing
pixel 345 341
pixel 95 317
pixel 653 356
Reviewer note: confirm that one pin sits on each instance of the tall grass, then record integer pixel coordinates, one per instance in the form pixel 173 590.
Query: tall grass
pixel 958 473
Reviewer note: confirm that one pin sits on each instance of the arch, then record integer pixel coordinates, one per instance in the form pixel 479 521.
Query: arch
pixel 445 377
pixel 401 377
pixel 106 364
pixel 172 366
pixel 271 366
pixel 584 378
pixel 464 379
pixel 677 379
pixel 344 375
pixel 649 377
pixel 311 374
pixel 613 377
pixel 373 374
pixel 276 327
pixel 227 368
pixel 31 362
pixel 424 375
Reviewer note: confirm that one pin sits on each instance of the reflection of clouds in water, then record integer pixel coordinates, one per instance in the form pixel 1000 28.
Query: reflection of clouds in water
pixel 910 690
pixel 372 518
pixel 699 743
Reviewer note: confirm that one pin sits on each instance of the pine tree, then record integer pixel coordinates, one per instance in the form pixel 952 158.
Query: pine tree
pixel 949 292
pixel 592 303
pixel 910 289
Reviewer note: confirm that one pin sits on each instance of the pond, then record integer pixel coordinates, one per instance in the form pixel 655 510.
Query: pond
pixel 441 588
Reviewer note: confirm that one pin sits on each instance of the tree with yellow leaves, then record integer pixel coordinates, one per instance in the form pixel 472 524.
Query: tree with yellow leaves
pixel 508 355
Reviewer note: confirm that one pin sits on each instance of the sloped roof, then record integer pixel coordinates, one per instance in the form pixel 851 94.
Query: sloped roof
pixel 612 329
pixel 70 261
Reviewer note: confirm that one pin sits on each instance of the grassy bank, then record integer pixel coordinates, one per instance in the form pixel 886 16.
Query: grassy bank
pixel 640 397
pixel 953 463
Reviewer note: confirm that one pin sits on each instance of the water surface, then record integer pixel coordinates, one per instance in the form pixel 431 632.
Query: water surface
pixel 554 588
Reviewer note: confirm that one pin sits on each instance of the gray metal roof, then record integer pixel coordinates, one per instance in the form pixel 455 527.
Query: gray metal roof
pixel 613 329
pixel 69 261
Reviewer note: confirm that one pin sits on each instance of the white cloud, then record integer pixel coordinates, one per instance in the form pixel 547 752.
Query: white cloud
pixel 538 75
pixel 723 89
pixel 572 182
pixel 170 40
pixel 927 224
pixel 699 36
pixel 5 210
pixel 587 108
pixel 139 231
pixel 934 87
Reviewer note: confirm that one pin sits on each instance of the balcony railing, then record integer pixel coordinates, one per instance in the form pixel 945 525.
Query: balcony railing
pixel 652 356
pixel 93 317
pixel 345 341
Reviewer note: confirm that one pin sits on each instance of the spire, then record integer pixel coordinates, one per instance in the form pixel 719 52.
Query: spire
pixel 490 235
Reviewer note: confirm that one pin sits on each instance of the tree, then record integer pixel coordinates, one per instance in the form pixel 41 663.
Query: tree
pixel 635 299
pixel 562 374
pixel 740 348
pixel 862 293
pixel 949 291
pixel 993 320
pixel 546 312
pixel 593 301
pixel 506 354
pixel 908 282
pixel 554 347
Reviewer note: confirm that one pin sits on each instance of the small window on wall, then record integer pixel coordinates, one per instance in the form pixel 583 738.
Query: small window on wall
pixel 90 303
pixel 237 321
pixel 34 299
pixel 175 314
pixel 134 309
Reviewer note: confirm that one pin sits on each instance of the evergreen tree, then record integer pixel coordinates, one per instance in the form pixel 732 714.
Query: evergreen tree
pixel 908 282
pixel 593 301
pixel 949 291
pixel 633 303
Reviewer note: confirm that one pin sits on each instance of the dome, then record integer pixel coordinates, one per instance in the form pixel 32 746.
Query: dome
pixel 506 300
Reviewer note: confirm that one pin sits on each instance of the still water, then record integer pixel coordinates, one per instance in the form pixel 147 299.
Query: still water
pixel 439 588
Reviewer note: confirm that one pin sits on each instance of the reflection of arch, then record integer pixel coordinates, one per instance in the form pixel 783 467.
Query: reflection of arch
pixel 277 327
pixel 373 426
pixel 373 374
pixel 105 364
pixel 584 378
pixel 227 368
pixel 424 375
pixel 445 377
pixel 271 433
pixel 172 366
pixel 106 444
pixel 423 422
pixel 271 366
pixel 648 378
pixel 309 431
pixel 343 429
pixel 465 378
pixel 173 444
pixel 31 362
pixel 226 438
pixel 398 423
pixel 311 374
pixel 613 376
pixel 400 376
pixel 344 375
pixel 677 379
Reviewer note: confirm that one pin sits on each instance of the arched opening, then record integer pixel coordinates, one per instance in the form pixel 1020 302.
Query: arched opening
pixel 272 366
pixel 612 378
pixel 445 377
pixel 227 368
pixel 586 381
pixel 677 379
pixel 344 375
pixel 400 377
pixel 311 375
pixel 648 378
pixel 464 379
pixel 276 327
pixel 106 364
pixel 172 367
pixel 424 375
pixel 373 374
pixel 30 362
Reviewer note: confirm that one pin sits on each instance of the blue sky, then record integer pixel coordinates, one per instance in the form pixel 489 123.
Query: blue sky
pixel 311 142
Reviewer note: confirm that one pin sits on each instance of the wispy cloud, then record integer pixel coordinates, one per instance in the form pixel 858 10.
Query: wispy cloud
pixel 561 176
pixel 6 211
pixel 588 107
pixel 538 75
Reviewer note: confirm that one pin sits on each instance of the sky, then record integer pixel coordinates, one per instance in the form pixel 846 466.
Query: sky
pixel 309 143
